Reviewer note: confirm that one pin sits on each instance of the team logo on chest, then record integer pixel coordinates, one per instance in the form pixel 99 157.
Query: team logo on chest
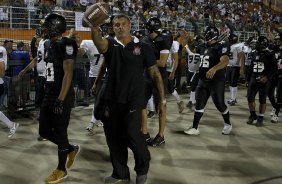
pixel 69 50
pixel 137 51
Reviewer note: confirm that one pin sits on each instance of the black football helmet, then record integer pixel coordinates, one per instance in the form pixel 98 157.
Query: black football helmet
pixel 272 46
pixel 54 24
pixel 249 40
pixel 153 25
pixel 211 33
pixel 233 38
pixel 167 33
pixel 139 34
pixel 107 27
pixel 262 43
pixel 199 40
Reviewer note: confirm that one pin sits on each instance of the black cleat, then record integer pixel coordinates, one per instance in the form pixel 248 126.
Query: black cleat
pixel 147 137
pixel 151 114
pixel 251 119
pixel 157 141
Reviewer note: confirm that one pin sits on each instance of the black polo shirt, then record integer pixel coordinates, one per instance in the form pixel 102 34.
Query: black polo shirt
pixel 126 64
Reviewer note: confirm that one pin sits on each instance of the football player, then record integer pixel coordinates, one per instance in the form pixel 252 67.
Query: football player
pixel 235 68
pixel 211 81
pixel 194 59
pixel 160 41
pixel 59 94
pixel 262 69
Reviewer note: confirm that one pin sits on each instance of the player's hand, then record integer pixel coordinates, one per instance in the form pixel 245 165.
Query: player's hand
pixel 279 66
pixel 263 79
pixel 58 107
pixel 210 73
pixel 93 89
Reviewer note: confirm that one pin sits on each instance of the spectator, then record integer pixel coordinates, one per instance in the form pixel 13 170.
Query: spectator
pixel 20 87
pixel 18 12
pixel 30 4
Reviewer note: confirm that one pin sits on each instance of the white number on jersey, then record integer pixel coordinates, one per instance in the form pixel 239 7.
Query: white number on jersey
pixel 39 56
pixel 258 67
pixel 205 63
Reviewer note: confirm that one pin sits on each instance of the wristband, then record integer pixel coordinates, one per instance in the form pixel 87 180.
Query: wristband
pixel 164 101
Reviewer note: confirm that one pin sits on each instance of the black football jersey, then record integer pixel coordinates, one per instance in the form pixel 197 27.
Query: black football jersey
pixel 55 54
pixel 263 63
pixel 211 58
pixel 161 42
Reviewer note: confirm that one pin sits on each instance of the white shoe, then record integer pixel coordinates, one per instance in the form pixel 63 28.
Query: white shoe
pixel 13 130
pixel 274 118
pixel 99 124
pixel 226 129
pixel 90 127
pixel 272 111
pixel 192 131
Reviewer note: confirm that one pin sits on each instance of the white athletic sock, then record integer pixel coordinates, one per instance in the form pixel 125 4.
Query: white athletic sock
pixel 177 97
pixel 5 120
pixel 234 93
pixel 151 105
pixel 93 119
pixel 192 97
pixel 231 92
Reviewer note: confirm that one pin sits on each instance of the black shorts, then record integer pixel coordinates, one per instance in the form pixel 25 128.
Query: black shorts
pixel 254 87
pixel 215 89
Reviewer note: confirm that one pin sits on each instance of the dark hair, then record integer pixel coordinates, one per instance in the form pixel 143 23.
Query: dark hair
pixel 118 16
pixel 20 44
pixel 7 41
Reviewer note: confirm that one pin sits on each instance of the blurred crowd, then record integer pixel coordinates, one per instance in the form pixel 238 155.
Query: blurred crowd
pixel 247 15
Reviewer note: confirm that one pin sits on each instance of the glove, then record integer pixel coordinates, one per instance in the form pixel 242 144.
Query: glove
pixel 58 107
